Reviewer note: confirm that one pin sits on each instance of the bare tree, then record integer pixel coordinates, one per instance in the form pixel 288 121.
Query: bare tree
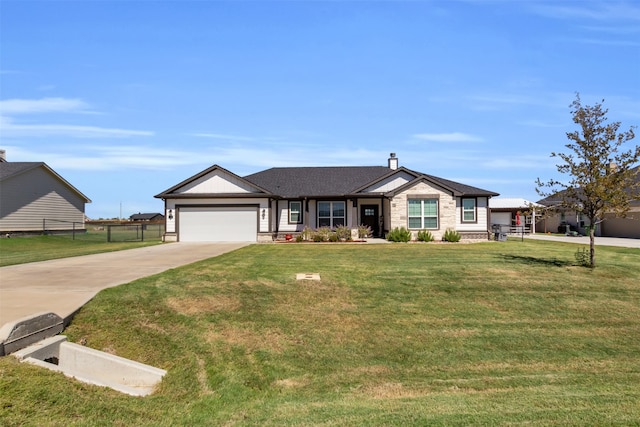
pixel 602 175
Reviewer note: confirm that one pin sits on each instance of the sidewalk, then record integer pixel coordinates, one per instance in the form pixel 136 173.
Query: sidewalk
pixel 63 286
pixel 584 240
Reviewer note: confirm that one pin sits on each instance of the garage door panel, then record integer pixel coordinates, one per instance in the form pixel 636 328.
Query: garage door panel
pixel 218 224
pixel 503 218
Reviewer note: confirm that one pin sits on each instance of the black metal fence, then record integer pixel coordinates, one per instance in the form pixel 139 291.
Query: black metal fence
pixel 104 231
pixel 63 228
pixel 134 232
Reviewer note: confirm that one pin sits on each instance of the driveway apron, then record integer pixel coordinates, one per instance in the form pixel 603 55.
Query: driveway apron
pixel 63 286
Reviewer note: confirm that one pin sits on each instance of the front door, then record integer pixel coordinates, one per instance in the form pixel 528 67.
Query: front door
pixel 369 216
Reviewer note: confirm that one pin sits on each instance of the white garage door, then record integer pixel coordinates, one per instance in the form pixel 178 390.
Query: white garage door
pixel 503 218
pixel 218 224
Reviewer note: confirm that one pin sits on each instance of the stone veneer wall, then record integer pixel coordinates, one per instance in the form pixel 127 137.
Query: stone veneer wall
pixel 476 236
pixel 446 208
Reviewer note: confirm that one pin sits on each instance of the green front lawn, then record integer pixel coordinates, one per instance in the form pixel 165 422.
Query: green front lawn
pixel 398 334
pixel 20 250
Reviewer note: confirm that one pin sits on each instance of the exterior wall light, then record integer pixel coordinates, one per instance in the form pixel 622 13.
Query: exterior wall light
pixel 264 213
pixel 170 213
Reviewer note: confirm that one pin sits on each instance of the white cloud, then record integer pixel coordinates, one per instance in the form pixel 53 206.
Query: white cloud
pixel 616 30
pixel 248 158
pixel 223 136
pixel 448 137
pixel 540 124
pixel 597 11
pixel 501 101
pixel 10 129
pixel 602 42
pixel 44 105
pixel 108 157
pixel 519 162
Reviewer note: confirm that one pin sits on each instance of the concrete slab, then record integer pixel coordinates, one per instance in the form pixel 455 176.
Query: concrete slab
pixel 92 366
pixel 22 332
pixel 308 276
pixel 63 286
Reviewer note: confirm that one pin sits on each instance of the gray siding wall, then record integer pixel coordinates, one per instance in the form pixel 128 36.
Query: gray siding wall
pixel 622 227
pixel 28 198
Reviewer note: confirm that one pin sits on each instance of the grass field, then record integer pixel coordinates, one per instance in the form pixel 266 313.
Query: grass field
pixel 41 248
pixel 399 334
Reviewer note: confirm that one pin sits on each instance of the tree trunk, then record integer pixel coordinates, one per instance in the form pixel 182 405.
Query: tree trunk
pixel 592 245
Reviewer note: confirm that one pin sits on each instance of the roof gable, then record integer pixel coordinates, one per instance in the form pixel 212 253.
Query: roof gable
pixel 214 180
pixel 456 189
pixel 390 182
pixel 460 189
pixel 11 170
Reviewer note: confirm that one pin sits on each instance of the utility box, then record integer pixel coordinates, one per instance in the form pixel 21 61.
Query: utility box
pixel 498 234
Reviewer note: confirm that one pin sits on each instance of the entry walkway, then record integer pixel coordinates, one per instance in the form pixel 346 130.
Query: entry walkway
pixel 63 286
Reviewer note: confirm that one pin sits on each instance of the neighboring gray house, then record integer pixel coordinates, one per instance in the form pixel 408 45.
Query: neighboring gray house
pixel 31 192
pixel 146 217
pixel 217 205
pixel 611 226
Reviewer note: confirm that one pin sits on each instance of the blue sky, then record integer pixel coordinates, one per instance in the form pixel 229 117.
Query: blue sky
pixel 126 98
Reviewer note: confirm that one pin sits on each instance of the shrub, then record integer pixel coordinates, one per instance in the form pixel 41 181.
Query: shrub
pixel 451 235
pixel 299 238
pixel 425 236
pixel 306 233
pixel 583 257
pixel 364 231
pixel 399 235
pixel 321 234
pixel 343 232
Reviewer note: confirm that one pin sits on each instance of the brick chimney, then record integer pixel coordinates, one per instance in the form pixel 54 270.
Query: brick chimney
pixel 393 161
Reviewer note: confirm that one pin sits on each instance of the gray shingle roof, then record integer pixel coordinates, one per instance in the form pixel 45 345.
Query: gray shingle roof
pixel 316 181
pixel 339 181
pixel 558 198
pixel 8 169
pixel 466 190
pixel 145 216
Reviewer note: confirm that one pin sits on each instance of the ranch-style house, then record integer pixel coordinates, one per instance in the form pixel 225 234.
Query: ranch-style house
pixel 34 199
pixel 218 205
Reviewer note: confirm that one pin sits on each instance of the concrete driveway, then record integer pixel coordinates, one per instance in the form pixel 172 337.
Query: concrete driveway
pixel 63 286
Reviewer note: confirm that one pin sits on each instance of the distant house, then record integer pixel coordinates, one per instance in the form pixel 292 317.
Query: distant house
pixel 146 217
pixel 562 220
pixel 218 205
pixel 505 213
pixel 611 226
pixel 33 197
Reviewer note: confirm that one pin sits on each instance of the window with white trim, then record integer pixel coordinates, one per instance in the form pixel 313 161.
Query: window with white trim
pixel 469 210
pixel 331 214
pixel 295 212
pixel 423 213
